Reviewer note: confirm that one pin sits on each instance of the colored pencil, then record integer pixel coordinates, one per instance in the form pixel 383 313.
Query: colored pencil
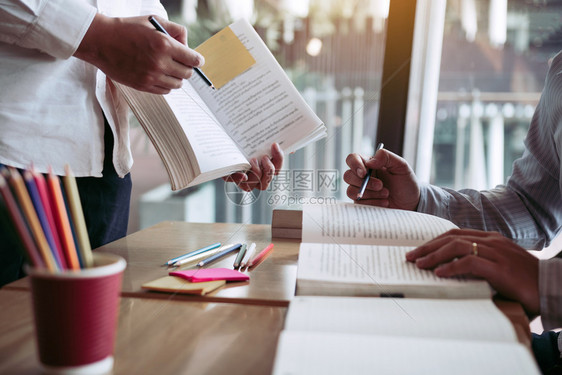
pixel 213 258
pixel 18 220
pixel 78 218
pixel 44 195
pixel 188 262
pixel 249 254
pixel 174 261
pixel 41 215
pixel 261 255
pixel 61 220
pixel 22 196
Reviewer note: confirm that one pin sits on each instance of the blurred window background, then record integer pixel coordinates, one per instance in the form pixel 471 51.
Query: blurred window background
pixel 489 60
pixel 333 51
pixel 476 73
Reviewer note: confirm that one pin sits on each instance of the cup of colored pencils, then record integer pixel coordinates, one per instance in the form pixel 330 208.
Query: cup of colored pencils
pixel 75 292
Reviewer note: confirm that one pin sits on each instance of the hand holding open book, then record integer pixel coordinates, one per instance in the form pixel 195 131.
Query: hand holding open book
pixel 261 173
pixel 203 134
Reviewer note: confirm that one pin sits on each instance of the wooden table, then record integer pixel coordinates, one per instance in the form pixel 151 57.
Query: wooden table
pixel 272 283
pixel 160 337
pixel 233 330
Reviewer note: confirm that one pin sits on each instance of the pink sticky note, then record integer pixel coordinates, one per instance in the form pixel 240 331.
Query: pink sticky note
pixel 210 274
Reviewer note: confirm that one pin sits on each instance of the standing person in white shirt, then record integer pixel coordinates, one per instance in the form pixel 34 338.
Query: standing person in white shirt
pixel 58 106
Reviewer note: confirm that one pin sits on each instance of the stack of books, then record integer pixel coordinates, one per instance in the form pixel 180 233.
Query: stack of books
pixel 47 217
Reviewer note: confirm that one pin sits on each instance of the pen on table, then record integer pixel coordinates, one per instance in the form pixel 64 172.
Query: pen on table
pixel 173 261
pixel 368 176
pixel 159 27
pixel 260 255
pixel 239 257
pixel 190 261
pixel 249 254
pixel 219 255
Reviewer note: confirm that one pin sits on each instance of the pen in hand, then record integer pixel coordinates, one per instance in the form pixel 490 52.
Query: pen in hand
pixel 160 28
pixel 368 176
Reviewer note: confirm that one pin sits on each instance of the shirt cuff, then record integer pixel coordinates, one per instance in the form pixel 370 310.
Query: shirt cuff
pixel 550 293
pixel 60 27
pixel 434 201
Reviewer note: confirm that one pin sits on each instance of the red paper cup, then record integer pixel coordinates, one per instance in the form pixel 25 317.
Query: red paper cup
pixel 76 316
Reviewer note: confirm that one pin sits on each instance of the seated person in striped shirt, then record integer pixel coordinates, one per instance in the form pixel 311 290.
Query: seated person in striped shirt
pixel 525 213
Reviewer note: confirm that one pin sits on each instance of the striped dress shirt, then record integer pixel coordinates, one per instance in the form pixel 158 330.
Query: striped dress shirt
pixel 528 209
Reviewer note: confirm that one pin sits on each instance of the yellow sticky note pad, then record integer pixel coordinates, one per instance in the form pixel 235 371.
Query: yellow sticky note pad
pixel 173 284
pixel 225 57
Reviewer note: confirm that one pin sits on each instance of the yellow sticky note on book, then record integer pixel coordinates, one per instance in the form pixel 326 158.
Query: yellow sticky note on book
pixel 173 284
pixel 225 57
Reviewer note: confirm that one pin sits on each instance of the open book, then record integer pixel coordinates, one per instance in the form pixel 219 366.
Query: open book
pixel 343 335
pixel 202 134
pixel 359 250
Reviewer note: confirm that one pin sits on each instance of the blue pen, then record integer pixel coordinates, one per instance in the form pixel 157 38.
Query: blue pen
pixel 195 252
pixel 219 255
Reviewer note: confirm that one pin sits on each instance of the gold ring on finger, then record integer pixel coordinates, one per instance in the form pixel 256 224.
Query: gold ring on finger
pixel 474 249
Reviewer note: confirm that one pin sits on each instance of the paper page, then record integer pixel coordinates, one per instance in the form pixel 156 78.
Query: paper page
pixel 337 354
pixel 261 105
pixel 362 224
pixel 476 319
pixel 363 270
pixel 212 146
pixel 378 265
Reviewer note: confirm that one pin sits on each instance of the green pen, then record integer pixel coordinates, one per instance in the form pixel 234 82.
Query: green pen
pixel 239 257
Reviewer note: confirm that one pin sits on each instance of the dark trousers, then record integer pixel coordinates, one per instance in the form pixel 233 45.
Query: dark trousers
pixel 105 202
pixel 547 355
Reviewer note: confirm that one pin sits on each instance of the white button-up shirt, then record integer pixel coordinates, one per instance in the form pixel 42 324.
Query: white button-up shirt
pixel 52 104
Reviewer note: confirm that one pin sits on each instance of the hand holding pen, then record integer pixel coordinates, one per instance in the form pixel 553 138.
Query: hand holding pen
pixel 368 176
pixel 159 27
pixel 130 52
pixel 394 185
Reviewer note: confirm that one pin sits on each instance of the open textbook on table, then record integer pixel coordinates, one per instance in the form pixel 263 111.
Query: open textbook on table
pixel 362 335
pixel 359 250
pixel 202 134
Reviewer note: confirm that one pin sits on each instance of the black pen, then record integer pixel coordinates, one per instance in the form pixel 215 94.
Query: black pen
pixel 368 176
pixel 210 259
pixel 159 27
